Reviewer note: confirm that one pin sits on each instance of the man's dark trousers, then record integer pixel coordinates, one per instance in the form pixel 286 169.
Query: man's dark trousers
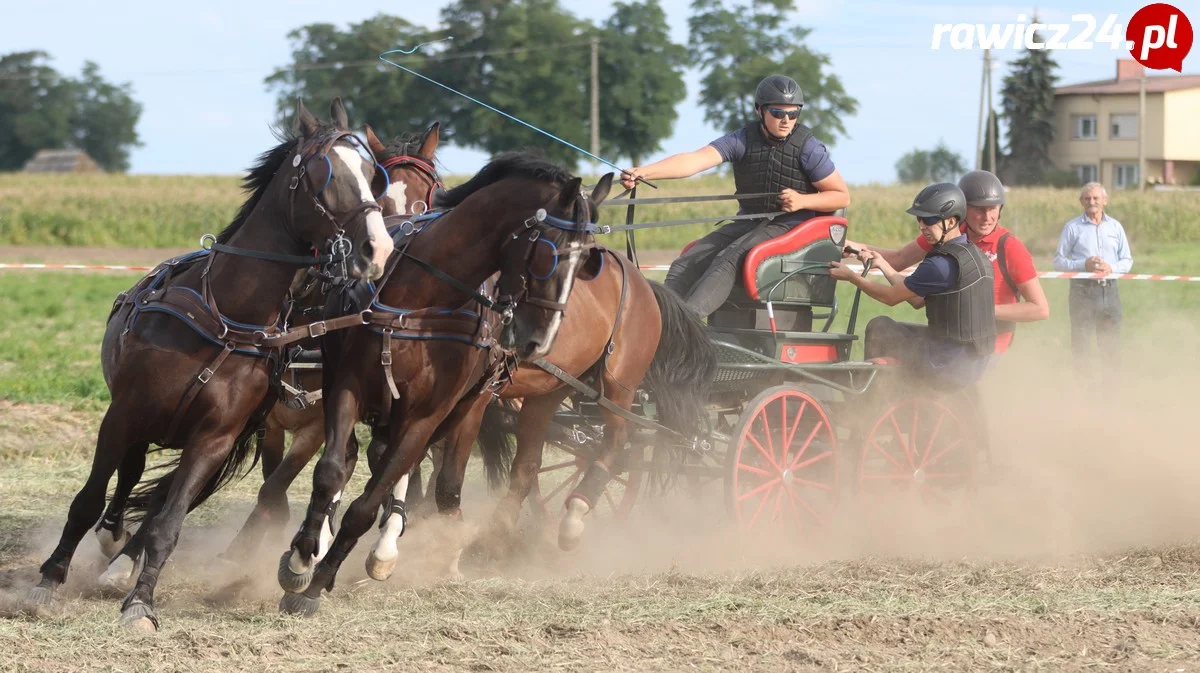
pixel 1095 307
pixel 705 275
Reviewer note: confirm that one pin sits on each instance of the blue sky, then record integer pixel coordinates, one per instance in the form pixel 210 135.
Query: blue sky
pixel 198 69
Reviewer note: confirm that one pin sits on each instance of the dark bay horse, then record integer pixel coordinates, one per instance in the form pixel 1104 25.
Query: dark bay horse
pixel 413 180
pixel 167 349
pixel 620 328
pixel 430 351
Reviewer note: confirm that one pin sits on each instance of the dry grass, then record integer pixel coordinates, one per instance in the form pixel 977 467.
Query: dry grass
pixel 173 211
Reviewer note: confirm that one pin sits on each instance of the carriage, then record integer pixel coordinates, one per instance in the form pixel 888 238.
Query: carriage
pixel 797 428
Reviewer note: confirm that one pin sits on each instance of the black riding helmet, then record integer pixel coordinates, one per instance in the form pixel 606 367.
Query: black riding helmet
pixel 982 188
pixel 778 90
pixel 944 200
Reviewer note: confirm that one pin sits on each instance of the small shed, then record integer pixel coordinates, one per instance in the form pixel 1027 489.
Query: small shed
pixel 61 161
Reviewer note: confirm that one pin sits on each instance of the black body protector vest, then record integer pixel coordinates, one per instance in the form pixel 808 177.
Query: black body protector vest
pixel 772 168
pixel 967 312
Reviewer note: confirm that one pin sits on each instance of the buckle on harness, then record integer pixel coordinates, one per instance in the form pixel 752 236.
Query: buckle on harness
pixel 205 375
pixel 317 329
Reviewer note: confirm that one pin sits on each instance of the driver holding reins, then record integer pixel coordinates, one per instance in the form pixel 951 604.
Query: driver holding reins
pixel 953 281
pixel 774 154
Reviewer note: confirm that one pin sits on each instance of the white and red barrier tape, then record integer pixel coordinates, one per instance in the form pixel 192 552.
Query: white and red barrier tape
pixel 1041 274
pixel 656 267
pixel 85 267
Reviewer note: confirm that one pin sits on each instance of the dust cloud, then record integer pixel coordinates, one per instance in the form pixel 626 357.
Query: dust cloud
pixel 1084 469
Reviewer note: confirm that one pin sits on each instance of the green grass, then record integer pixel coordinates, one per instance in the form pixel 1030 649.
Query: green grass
pixel 54 322
pixel 51 333
pixel 173 211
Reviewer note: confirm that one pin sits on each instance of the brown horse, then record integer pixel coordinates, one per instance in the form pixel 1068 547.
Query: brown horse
pixel 166 351
pixel 420 365
pixel 413 180
pixel 621 329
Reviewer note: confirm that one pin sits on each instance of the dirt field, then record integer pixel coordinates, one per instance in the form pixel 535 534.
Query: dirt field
pixel 1083 556
pixel 1083 553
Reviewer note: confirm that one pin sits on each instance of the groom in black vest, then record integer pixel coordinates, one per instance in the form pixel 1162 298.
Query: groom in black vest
pixel 774 154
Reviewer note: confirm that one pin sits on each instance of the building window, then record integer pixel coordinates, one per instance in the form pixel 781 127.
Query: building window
pixel 1084 126
pixel 1086 173
pixel 1122 127
pixel 1125 176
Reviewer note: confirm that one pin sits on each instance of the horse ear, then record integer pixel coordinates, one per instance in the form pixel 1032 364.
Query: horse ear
pixel 570 192
pixel 306 123
pixel 337 114
pixel 600 192
pixel 373 142
pixel 429 141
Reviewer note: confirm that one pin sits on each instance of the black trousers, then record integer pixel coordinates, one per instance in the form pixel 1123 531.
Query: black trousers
pixel 705 275
pixel 1095 315
pixel 921 354
pixel 908 343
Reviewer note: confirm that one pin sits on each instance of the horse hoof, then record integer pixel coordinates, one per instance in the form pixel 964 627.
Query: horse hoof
pixel 299 604
pixel 139 617
pixel 379 569
pixel 39 599
pixel 570 530
pixel 119 574
pixel 290 581
pixel 109 545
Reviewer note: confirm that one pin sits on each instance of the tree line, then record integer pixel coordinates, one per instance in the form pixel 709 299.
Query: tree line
pixel 42 109
pixel 532 59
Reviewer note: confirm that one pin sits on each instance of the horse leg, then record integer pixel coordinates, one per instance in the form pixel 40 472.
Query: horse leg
pixel 410 446
pixel 381 561
pixel 112 444
pixel 110 532
pixel 271 512
pixel 583 498
pixel 329 477
pixel 203 454
pixel 271 446
pixel 533 421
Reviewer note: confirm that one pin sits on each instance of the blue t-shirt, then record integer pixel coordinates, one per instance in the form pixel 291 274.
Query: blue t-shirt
pixel 953 364
pixel 814 156
pixel 814 159
pixel 937 273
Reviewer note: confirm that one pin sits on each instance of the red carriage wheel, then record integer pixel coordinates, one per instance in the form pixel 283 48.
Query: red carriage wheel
pixel 917 447
pixel 783 462
pixel 563 466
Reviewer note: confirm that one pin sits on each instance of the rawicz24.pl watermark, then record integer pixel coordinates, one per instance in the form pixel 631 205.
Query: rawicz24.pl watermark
pixel 1159 35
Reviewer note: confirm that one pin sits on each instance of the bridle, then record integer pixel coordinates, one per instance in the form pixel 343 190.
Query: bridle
pixel 505 302
pixel 541 252
pixel 340 247
pixel 425 168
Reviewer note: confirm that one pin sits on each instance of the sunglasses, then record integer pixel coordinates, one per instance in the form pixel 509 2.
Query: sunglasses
pixel 929 221
pixel 780 114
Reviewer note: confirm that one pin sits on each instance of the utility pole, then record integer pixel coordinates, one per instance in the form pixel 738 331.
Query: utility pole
pixel 979 129
pixel 595 96
pixel 991 128
pixel 1141 176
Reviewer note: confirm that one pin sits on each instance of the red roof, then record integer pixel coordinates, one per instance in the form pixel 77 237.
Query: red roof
pixel 1154 84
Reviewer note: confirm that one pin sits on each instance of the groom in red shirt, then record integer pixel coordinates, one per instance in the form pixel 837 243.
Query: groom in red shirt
pixel 1016 278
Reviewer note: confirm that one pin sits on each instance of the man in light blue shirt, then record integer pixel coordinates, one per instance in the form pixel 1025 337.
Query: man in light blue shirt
pixel 1096 243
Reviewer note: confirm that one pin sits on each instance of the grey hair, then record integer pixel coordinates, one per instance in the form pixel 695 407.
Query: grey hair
pixel 1090 186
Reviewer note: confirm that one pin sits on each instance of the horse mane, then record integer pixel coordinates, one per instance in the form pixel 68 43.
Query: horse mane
pixel 519 164
pixel 405 145
pixel 260 175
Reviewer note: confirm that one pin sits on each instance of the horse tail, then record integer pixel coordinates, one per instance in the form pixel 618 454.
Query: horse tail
pixel 155 490
pixel 496 442
pixel 684 364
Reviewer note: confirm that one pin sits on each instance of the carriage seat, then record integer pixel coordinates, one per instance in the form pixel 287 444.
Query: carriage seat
pixel 793 268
